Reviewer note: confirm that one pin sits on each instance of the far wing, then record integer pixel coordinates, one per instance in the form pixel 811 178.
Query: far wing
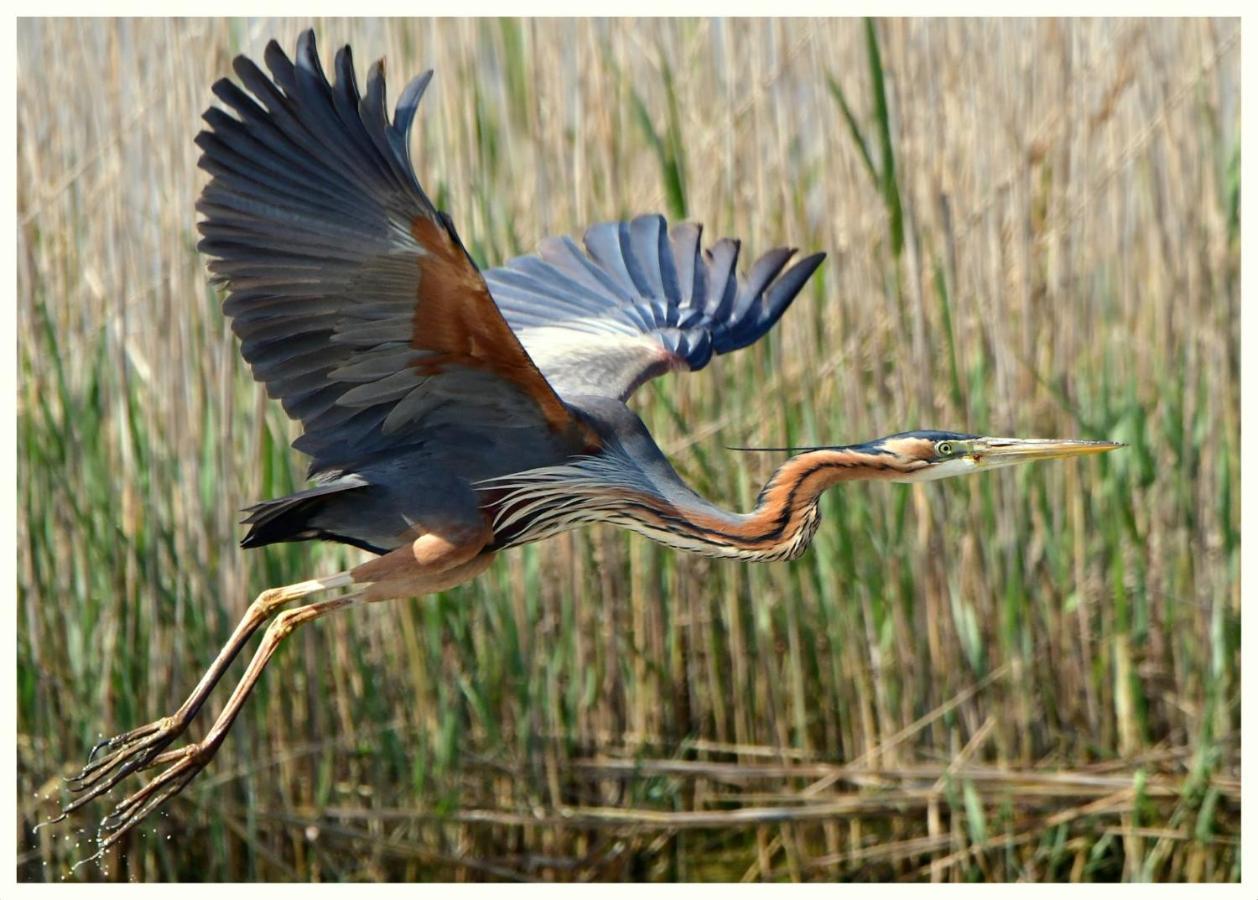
pixel 353 297
pixel 638 301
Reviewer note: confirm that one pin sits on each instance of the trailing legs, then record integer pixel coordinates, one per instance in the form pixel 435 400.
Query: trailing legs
pixel 434 561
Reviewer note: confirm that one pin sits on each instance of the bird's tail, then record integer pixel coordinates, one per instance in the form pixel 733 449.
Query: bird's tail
pixel 294 518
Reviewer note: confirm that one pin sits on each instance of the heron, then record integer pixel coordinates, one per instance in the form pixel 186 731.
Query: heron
pixel 450 413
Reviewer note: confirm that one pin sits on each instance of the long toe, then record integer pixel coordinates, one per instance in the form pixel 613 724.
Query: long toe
pixel 137 806
pixel 120 740
pixel 124 754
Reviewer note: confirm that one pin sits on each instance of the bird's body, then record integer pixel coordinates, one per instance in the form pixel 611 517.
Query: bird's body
pixel 451 414
pixel 529 496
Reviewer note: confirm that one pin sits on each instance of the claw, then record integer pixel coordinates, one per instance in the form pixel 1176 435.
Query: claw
pixel 95 857
pixel 48 822
pixel 91 755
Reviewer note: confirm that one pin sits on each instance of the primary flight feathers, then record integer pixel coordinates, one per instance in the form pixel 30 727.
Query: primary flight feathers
pixel 358 307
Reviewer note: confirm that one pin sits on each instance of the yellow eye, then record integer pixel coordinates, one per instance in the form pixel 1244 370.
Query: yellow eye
pixel 944 448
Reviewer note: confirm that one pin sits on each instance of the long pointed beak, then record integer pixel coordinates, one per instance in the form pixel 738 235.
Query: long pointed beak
pixel 997 451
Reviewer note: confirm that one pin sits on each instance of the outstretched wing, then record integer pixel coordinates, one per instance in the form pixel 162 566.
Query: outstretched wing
pixel 639 301
pixel 354 300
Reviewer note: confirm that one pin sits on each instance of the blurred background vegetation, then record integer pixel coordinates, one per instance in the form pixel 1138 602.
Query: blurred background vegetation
pixel 1033 229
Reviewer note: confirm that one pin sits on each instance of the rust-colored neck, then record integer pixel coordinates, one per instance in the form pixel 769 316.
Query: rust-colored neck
pixel 784 520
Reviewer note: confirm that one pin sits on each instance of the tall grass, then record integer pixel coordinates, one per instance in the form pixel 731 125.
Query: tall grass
pixel 1033 229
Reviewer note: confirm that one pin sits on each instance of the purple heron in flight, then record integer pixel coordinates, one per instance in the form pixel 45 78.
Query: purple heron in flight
pixel 450 413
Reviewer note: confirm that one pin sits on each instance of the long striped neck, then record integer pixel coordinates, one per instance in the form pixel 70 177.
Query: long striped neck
pixel 651 499
pixel 786 516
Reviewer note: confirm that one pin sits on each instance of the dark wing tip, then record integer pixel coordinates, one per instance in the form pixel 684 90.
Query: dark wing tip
pixel 769 292
pixel 276 59
pixel 408 102
pixel 802 270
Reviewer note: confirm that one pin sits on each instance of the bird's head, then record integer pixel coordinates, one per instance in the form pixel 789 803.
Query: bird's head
pixel 909 457
pixel 931 455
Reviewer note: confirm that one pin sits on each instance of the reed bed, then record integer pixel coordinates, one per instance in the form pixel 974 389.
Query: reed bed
pixel 1033 229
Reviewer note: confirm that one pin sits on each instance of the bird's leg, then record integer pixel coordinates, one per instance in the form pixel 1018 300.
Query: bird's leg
pixel 432 563
pixel 136 749
pixel 186 762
